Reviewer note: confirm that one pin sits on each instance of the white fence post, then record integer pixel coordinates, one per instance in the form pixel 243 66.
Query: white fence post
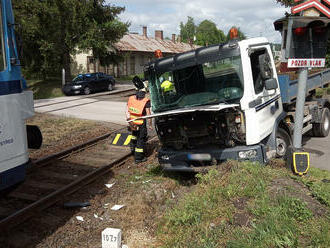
pixel 63 76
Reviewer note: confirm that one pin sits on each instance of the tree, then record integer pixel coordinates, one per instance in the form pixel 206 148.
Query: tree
pixel 207 33
pixel 188 30
pixel 286 3
pixel 53 30
pixel 241 35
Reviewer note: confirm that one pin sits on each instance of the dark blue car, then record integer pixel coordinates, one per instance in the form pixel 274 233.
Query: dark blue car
pixel 89 83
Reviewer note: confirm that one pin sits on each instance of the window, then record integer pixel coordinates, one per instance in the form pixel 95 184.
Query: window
pixel 213 82
pixel 259 83
pixel 2 48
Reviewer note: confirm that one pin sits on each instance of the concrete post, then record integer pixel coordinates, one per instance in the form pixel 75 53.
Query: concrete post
pixel 63 76
pixel 299 115
pixel 288 38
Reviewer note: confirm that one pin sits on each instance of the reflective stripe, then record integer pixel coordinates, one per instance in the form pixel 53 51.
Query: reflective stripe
pixel 138 150
pixel 128 140
pixel 116 139
pixel 133 137
pixel 137 122
pixel 133 110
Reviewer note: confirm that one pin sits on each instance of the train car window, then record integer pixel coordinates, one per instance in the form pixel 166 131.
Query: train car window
pixel 2 48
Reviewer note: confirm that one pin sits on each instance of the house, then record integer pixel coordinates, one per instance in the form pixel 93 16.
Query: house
pixel 136 50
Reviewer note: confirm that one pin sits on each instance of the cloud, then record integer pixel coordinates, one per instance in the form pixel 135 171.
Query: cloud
pixel 254 18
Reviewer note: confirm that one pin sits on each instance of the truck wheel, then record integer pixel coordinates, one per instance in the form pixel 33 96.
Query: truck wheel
pixel 283 142
pixel 322 129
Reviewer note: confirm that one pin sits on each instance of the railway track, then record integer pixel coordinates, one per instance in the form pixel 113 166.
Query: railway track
pixel 84 100
pixel 53 177
pixel 124 92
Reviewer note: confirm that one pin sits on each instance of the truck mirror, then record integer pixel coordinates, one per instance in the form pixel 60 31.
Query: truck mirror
pixel 138 83
pixel 265 66
pixel 271 84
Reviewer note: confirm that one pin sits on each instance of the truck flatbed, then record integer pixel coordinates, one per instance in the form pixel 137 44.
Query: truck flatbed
pixel 289 88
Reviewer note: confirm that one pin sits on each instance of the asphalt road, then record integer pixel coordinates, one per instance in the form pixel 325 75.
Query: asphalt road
pixel 319 149
pixel 111 108
pixel 107 107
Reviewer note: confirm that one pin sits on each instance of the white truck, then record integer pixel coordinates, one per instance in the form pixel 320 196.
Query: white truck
pixel 227 102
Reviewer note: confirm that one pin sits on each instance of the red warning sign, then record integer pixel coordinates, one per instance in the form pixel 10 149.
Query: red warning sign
pixel 303 63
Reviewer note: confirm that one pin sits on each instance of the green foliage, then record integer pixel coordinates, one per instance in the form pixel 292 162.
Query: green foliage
pixel 206 216
pixel 52 30
pixel 188 30
pixel 44 89
pixel 207 33
pixel 318 183
pixel 286 3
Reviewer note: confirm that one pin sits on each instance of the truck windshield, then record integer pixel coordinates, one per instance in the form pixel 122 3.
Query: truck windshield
pixel 215 82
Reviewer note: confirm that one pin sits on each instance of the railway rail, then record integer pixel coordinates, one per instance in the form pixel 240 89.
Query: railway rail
pixel 94 98
pixel 53 177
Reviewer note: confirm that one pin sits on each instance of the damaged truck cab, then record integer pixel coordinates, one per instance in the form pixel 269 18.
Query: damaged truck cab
pixel 217 103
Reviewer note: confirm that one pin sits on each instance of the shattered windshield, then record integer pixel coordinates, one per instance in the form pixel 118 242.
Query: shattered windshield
pixel 208 83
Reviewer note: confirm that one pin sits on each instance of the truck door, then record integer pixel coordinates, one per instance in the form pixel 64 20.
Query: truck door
pixel 266 106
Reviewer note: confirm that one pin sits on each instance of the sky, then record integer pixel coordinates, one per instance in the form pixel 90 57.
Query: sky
pixel 254 17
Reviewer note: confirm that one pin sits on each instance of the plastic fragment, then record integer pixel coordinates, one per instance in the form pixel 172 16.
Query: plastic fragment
pixel 173 196
pixel 80 218
pixel 117 207
pixel 109 185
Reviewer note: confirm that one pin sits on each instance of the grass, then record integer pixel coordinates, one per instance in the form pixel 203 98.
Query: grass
pixel 318 182
pixel 44 89
pixel 319 92
pixel 208 217
pixel 130 77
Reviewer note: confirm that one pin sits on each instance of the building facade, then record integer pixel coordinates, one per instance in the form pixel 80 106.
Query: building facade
pixel 136 50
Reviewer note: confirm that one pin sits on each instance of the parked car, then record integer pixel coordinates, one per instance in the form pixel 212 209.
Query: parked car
pixel 89 83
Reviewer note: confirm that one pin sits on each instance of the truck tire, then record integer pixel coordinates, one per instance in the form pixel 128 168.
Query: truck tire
pixel 322 129
pixel 283 142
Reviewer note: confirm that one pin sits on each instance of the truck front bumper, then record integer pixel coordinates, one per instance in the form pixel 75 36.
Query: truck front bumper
pixel 200 159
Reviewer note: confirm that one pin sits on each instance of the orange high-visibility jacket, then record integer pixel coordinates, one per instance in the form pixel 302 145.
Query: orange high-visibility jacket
pixel 135 108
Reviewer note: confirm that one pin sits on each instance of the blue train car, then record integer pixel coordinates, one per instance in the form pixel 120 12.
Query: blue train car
pixel 16 105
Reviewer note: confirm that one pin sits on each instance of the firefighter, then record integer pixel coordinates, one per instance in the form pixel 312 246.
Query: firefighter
pixel 167 86
pixel 169 92
pixel 138 106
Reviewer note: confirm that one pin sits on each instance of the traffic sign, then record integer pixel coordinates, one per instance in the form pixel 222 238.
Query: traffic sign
pixel 310 63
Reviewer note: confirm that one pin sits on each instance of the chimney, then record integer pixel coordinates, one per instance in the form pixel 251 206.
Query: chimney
pixel 179 38
pixel 145 31
pixel 159 34
pixel 173 38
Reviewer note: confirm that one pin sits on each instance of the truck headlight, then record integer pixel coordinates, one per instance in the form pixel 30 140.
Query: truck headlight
pixel 247 154
pixel 165 157
pixel 75 87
